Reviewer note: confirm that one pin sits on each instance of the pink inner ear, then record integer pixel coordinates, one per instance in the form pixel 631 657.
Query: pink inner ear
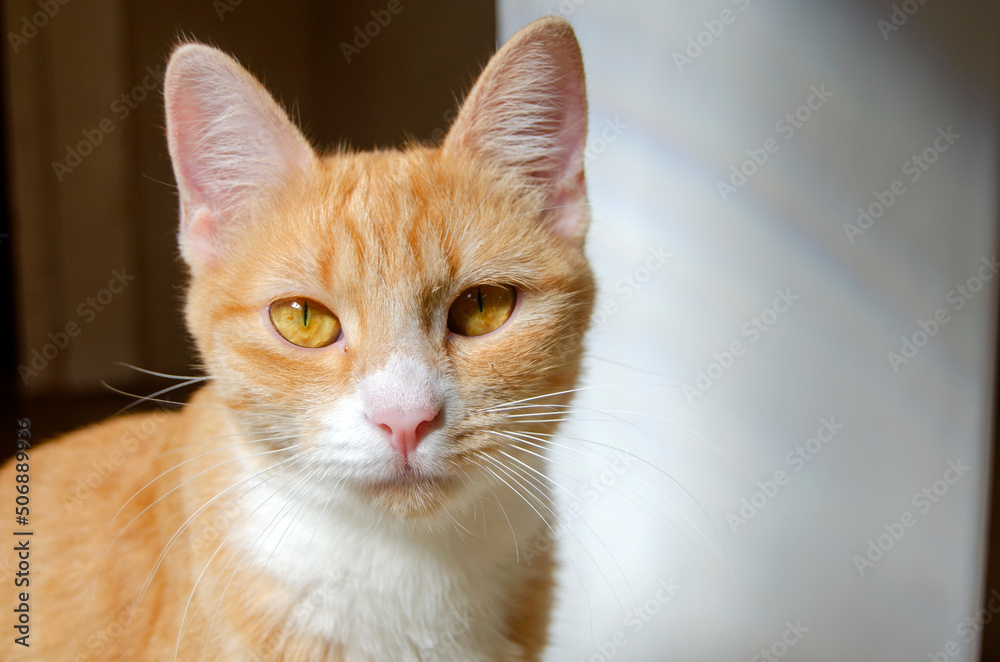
pixel 230 143
pixel 570 213
pixel 528 112
pixel 567 179
pixel 200 229
pixel 184 132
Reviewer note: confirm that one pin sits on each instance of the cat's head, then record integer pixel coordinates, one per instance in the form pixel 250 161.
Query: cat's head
pixel 384 314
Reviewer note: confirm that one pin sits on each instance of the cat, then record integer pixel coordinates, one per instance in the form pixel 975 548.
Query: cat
pixel 388 338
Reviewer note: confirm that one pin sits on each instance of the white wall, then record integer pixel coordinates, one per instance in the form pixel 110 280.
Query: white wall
pixel 675 132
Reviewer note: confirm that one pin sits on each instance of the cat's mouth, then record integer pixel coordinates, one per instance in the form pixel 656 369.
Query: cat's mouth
pixel 408 478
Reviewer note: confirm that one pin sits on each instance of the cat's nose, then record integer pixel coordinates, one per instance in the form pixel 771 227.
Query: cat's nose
pixel 406 428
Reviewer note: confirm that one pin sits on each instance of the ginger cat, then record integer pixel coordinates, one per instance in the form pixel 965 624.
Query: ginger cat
pixel 386 337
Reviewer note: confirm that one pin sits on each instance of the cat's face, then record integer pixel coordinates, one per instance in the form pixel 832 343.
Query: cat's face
pixel 384 314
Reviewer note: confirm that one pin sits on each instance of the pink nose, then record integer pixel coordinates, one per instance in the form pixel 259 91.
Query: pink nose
pixel 406 428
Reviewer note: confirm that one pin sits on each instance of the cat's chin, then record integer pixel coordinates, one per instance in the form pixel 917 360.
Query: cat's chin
pixel 410 494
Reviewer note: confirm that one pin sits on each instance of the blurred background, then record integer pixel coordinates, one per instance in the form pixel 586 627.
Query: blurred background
pixel 785 448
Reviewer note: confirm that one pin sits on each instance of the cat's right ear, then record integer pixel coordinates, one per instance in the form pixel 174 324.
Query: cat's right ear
pixel 229 141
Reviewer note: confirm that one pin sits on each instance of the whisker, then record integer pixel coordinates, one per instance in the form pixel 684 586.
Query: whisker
pixel 221 436
pixel 309 549
pixel 291 520
pixel 590 609
pixel 599 539
pixel 191 459
pixel 573 408
pixel 630 367
pixel 522 435
pixel 694 435
pixel 715 598
pixel 196 406
pixel 458 527
pixel 633 496
pixel 517 553
pixel 504 406
pixel 160 374
pixel 475 511
pixel 149 398
pixel 240 563
pixel 208 563
pixel 187 522
pixel 290 436
pixel 124 528
pixel 576 471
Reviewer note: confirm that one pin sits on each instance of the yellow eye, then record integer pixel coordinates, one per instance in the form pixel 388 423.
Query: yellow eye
pixel 481 309
pixel 304 322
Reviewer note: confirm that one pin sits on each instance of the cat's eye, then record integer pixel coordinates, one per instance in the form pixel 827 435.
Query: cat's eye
pixel 304 322
pixel 481 309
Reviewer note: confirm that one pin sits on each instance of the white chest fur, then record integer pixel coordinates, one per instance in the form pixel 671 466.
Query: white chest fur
pixel 387 593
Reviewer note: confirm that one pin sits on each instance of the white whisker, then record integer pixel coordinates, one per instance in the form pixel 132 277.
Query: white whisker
pixel 548 525
pixel 187 522
pixel 194 587
pixel 599 539
pixel 160 374
pixel 191 459
pixel 236 570
pixel 523 438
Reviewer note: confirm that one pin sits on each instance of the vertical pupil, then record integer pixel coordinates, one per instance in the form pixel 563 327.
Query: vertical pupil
pixel 479 298
pixel 305 313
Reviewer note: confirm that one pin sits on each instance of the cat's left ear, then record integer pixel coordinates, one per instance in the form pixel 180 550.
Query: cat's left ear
pixel 527 113
pixel 230 142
